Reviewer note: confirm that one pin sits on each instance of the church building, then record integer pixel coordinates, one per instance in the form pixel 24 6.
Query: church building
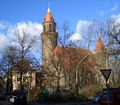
pixel 64 67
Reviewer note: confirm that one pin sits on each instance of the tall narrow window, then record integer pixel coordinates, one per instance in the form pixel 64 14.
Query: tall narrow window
pixel 54 28
pixel 50 27
pixel 44 28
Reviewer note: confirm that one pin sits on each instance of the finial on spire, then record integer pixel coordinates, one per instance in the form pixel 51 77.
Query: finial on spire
pixel 48 17
pixel 48 7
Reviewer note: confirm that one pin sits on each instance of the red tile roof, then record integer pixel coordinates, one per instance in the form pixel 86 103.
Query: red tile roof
pixel 72 55
pixel 48 17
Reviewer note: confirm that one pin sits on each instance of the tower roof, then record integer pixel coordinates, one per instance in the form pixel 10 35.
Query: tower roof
pixel 48 16
pixel 99 45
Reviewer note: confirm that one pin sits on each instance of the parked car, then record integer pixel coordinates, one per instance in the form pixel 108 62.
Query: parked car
pixel 113 97
pixel 18 99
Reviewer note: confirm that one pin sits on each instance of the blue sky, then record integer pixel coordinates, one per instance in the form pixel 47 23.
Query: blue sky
pixel 15 11
pixel 29 14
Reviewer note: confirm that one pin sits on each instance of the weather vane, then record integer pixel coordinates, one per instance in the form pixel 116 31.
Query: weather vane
pixel 48 5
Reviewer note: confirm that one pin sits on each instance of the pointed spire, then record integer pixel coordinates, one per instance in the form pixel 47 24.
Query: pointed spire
pixel 99 45
pixel 48 9
pixel 48 17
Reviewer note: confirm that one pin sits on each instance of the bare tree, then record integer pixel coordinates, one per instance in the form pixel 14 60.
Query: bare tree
pixel 114 51
pixel 19 56
pixel 7 63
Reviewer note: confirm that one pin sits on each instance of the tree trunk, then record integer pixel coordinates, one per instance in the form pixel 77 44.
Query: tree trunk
pixel 58 88
pixel 21 84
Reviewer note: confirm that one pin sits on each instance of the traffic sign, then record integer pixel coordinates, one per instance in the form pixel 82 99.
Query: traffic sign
pixel 106 73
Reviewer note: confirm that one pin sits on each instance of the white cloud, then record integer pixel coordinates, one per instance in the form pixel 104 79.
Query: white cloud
pixel 2 26
pixel 82 26
pixel 75 37
pixel 3 40
pixel 114 8
pixel 33 29
pixel 116 18
pixel 30 28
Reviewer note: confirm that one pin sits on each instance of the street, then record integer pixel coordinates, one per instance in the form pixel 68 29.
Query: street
pixel 4 103
pixel 36 103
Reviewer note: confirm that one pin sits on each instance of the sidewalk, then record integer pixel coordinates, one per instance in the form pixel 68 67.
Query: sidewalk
pixel 75 103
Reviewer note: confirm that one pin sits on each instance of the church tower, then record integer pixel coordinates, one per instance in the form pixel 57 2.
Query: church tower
pixel 49 37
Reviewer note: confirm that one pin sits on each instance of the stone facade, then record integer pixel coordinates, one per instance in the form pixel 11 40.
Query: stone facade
pixel 28 78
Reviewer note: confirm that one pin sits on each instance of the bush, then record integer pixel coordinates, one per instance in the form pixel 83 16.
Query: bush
pixel 35 94
pixel 90 91
pixel 63 96
pixel 82 97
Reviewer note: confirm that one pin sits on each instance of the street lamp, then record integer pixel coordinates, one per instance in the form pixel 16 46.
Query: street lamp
pixel 77 74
